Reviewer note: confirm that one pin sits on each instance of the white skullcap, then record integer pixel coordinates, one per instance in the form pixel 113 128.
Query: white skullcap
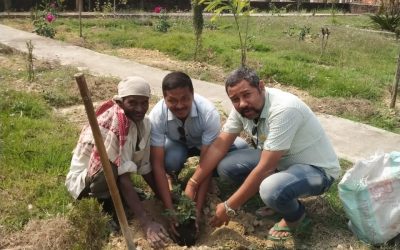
pixel 132 85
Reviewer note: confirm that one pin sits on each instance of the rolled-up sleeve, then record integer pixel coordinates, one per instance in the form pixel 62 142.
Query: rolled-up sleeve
pixel 158 123
pixel 127 167
pixel 233 124
pixel 145 166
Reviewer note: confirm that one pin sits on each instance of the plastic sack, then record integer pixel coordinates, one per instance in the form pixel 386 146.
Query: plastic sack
pixel 370 193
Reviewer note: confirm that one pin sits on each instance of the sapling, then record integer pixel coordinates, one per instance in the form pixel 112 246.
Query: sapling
pixel 29 61
pixel 324 39
pixel 185 216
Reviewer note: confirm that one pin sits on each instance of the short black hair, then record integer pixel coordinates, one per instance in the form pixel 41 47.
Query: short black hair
pixel 240 74
pixel 176 80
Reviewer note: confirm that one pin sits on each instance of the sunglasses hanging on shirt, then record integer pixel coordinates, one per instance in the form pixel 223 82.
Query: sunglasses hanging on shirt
pixel 254 132
pixel 182 134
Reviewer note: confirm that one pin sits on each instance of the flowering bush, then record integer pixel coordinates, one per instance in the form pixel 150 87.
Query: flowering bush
pixel 162 24
pixel 157 9
pixel 50 17
pixel 44 18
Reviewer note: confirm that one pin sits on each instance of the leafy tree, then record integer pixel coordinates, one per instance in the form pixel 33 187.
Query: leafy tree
pixel 239 8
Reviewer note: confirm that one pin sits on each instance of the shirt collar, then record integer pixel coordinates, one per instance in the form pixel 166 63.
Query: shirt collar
pixel 264 112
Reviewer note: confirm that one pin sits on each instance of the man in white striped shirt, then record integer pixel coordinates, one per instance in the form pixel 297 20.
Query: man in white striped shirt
pixel 292 157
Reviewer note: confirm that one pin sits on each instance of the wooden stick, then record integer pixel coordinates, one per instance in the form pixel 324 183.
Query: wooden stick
pixel 112 186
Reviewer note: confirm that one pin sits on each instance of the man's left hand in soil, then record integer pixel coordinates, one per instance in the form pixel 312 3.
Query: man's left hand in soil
pixel 156 235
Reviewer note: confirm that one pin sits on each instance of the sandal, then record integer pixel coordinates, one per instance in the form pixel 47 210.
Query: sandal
pixel 302 227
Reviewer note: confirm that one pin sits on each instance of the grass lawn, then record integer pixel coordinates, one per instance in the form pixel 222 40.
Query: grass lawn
pixel 355 65
pixel 36 142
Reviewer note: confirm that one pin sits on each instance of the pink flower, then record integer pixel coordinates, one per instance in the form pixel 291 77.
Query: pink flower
pixel 157 9
pixel 50 17
pixel 53 5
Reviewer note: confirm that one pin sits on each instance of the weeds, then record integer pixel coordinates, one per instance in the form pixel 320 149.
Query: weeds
pixel 304 31
pixel 89 225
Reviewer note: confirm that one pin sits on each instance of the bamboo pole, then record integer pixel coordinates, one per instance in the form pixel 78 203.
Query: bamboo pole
pixel 112 186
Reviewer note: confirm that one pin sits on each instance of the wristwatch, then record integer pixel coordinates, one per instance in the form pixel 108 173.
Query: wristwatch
pixel 228 210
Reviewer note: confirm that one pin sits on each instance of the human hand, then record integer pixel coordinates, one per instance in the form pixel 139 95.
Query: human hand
pixel 198 221
pixel 156 235
pixel 172 228
pixel 191 190
pixel 220 216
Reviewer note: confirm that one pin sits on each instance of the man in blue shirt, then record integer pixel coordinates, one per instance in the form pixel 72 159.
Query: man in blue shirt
pixel 183 124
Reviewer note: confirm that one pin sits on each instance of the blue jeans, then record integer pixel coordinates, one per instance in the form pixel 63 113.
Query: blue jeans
pixel 176 153
pixel 281 190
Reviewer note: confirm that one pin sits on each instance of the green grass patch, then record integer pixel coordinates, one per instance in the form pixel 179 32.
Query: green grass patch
pixel 356 63
pixel 35 154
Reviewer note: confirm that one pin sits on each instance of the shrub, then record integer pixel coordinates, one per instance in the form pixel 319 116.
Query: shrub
pixel 162 24
pixel 388 17
pixel 44 18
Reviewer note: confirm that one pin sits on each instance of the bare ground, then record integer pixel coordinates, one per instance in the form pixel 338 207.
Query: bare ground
pixel 243 232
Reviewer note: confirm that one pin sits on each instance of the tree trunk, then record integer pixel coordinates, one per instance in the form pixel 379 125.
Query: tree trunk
pixel 298 5
pixel 78 5
pixel 395 85
pixel 7 5
pixel 141 5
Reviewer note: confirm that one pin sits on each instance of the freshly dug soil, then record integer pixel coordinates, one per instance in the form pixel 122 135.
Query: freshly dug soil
pixel 187 232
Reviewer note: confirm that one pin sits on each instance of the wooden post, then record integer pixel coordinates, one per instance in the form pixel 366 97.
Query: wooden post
pixel 395 85
pixel 112 186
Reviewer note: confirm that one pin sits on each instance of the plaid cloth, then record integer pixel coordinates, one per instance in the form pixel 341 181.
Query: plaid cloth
pixel 114 126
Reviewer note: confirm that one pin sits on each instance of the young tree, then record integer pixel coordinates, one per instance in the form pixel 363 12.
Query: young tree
pixel 198 23
pixel 239 8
